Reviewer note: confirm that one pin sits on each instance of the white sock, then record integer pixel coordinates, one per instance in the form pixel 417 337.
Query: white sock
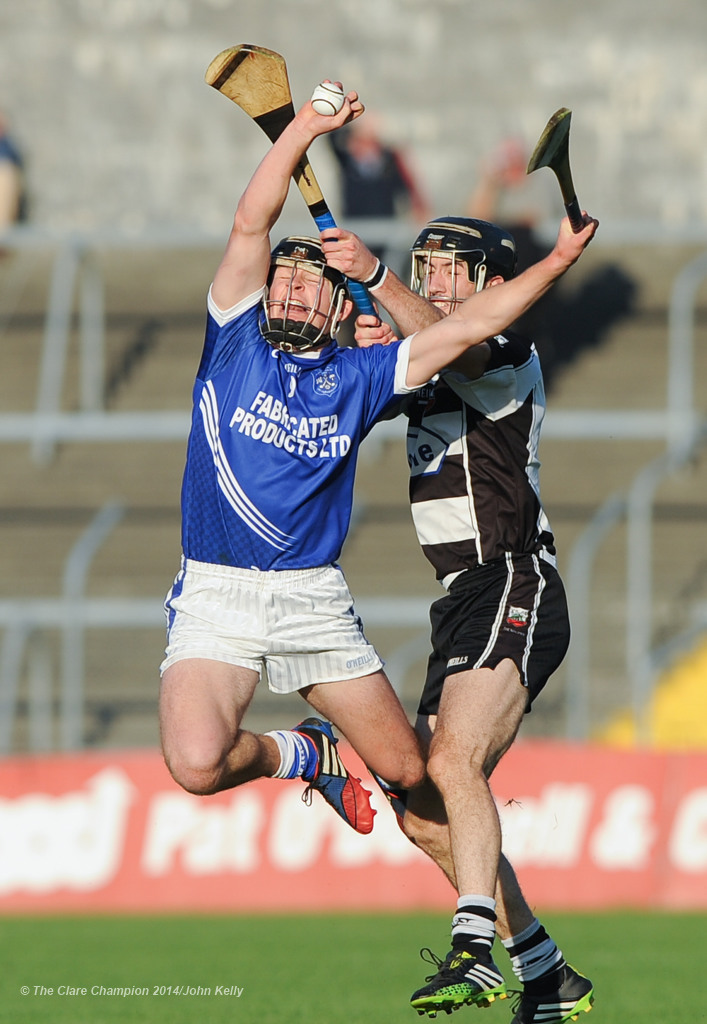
pixel 533 953
pixel 474 921
pixel 294 752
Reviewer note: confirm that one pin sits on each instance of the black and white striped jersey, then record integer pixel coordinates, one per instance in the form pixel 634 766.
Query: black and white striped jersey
pixel 474 469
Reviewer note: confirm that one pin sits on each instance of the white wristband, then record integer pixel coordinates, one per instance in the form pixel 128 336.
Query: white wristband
pixel 377 277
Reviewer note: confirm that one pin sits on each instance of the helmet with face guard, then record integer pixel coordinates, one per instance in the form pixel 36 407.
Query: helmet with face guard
pixel 299 252
pixel 486 250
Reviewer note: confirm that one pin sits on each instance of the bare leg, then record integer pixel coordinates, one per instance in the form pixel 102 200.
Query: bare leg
pixel 513 915
pixel 539 965
pixel 479 716
pixel 368 713
pixel 426 823
pixel 427 827
pixel 202 704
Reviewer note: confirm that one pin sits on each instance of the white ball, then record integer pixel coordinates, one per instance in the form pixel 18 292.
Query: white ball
pixel 328 98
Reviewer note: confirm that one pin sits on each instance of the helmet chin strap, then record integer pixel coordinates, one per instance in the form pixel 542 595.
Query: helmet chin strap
pixel 335 318
pixel 480 276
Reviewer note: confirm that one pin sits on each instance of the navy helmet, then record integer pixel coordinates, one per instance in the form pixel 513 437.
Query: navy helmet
pixel 486 249
pixel 282 330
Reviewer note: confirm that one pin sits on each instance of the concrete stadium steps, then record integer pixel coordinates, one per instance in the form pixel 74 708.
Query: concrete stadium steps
pixel 155 310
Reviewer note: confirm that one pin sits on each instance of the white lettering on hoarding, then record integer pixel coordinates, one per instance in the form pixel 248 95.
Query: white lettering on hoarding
pixel 76 841
pixel 73 841
pixel 206 838
pixel 687 846
pixel 298 836
pixel 297 833
pixel 624 838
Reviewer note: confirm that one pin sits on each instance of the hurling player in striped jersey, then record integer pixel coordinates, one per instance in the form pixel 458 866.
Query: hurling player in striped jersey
pixel 279 413
pixel 502 627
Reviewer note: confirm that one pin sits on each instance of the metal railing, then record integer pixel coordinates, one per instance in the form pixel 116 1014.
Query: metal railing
pixel 29 619
pixel 77 269
pixel 686 432
pixel 642 661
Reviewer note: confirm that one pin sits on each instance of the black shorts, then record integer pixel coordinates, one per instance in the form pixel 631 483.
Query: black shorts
pixel 514 607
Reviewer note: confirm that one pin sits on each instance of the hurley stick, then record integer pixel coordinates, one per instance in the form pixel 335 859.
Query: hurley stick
pixel 256 80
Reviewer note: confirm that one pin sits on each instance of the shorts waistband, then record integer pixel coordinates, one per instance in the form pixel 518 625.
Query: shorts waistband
pixel 509 560
pixel 267 578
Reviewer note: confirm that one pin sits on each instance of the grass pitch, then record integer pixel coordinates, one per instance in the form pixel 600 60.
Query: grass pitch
pixel 319 969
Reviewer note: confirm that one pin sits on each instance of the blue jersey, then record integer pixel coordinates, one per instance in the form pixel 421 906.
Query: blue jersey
pixel 272 451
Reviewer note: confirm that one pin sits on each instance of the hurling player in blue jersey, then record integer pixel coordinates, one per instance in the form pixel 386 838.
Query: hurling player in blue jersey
pixel 502 626
pixel 279 413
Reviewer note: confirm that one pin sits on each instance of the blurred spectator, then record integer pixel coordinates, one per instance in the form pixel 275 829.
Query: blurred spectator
pixel 376 181
pixel 12 192
pixel 519 202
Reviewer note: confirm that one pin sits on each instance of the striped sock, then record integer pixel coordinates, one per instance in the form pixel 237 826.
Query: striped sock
pixel 297 754
pixel 473 925
pixel 533 953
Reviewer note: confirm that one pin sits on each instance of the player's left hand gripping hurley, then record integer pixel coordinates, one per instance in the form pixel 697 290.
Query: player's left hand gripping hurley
pixel 256 80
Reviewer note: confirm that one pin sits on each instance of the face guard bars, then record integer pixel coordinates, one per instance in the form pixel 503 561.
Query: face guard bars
pixel 486 250
pixel 281 330
pixel 473 260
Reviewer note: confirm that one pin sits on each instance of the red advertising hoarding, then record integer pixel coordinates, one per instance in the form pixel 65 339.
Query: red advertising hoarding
pixel 584 826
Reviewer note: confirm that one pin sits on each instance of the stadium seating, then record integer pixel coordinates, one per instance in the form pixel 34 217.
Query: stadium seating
pixel 153 331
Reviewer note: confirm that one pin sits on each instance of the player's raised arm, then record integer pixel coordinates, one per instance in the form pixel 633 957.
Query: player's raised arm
pixel 245 264
pixel 492 310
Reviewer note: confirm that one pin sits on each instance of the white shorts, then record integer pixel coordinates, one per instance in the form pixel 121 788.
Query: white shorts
pixel 299 625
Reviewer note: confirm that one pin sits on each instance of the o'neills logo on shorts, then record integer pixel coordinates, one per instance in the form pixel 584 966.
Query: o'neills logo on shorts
pixel 517 616
pixel 457 661
pixel 359 662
